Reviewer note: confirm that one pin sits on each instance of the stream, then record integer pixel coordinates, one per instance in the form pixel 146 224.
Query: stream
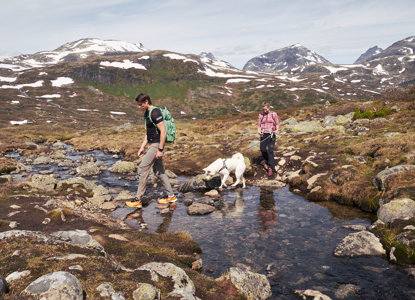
pixel 272 232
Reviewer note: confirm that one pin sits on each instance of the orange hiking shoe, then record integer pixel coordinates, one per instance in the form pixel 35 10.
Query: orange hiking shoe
pixel 134 204
pixel 167 200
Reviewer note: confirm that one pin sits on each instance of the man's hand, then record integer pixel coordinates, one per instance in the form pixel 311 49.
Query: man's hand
pixel 140 152
pixel 159 154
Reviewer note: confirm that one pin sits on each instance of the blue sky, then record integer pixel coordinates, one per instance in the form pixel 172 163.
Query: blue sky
pixel 233 30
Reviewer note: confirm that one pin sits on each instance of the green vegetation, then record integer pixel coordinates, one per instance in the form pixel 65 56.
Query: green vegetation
pixel 359 114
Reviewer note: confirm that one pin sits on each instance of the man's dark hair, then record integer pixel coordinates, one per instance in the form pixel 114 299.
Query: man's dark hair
pixel 141 98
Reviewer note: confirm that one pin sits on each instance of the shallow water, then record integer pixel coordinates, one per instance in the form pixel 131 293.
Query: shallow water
pixel 276 233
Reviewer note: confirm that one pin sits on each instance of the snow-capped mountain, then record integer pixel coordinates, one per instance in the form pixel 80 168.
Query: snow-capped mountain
pixel 288 60
pixel 70 52
pixel 402 48
pixel 368 54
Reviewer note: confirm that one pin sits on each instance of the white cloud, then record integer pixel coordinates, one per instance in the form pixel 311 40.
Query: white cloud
pixel 233 30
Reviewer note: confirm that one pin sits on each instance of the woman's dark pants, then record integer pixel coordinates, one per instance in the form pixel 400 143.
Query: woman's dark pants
pixel 267 149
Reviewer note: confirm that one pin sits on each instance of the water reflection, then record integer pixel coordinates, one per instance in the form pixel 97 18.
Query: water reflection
pixel 136 219
pixel 167 217
pixel 267 213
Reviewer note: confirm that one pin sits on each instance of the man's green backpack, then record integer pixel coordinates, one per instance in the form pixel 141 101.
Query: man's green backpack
pixel 168 123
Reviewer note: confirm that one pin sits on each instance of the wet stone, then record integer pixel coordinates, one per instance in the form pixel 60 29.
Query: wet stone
pixel 123 212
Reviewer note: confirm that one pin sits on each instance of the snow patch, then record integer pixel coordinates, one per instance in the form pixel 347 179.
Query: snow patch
pixel 379 70
pixel 8 79
pixel 179 57
pixel 126 64
pixel 334 69
pixel 117 113
pixel 237 80
pixel 35 84
pixel 49 96
pixel 18 122
pixel 61 81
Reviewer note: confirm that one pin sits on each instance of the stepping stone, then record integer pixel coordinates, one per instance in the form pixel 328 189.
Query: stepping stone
pixel 123 212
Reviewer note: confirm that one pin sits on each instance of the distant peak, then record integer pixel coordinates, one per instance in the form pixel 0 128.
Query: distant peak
pixel 207 55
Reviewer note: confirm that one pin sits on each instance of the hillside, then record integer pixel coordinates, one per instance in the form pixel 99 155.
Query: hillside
pixel 91 83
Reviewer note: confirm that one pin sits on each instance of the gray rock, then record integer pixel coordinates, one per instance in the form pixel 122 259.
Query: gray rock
pixel 355 227
pixel 183 285
pixel 42 182
pixel 405 238
pixel 124 127
pixel 358 244
pixel 4 287
pixel 381 178
pixel 252 285
pixel 17 275
pixel 212 193
pixel 311 294
pixel 90 169
pixel 79 237
pixel 68 257
pixel 289 121
pixel 124 167
pixel 346 290
pixel 123 212
pixel 106 290
pixel 392 256
pixel 125 195
pixel 397 209
pixel 146 291
pixel 42 160
pixel 200 209
pixel 56 286
pixel 305 127
pixel 200 183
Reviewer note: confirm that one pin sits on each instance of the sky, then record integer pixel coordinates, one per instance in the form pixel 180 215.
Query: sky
pixel 233 30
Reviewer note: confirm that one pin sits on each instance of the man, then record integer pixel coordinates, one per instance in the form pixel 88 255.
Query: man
pixel 154 138
pixel 268 126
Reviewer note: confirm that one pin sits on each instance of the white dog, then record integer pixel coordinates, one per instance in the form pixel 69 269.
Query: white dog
pixel 224 167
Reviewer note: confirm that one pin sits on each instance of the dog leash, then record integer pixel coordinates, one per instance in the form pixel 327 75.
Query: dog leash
pixel 257 143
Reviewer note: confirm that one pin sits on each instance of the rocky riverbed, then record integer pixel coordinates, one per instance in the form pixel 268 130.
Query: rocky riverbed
pixel 51 192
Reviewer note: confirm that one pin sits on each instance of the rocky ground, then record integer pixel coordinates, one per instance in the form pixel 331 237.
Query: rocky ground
pixel 356 153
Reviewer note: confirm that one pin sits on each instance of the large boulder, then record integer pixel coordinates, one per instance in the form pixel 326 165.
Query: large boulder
pixel 305 127
pixel 358 244
pixel 183 285
pixel 56 286
pixel 42 182
pixel 124 167
pixel 381 178
pixel 397 209
pixel 252 285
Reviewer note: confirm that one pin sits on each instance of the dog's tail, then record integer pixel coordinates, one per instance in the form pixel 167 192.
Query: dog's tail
pixel 238 156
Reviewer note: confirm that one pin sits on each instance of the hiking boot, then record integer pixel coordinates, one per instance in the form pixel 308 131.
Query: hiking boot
pixel 167 200
pixel 134 204
pixel 269 172
pixel 263 162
